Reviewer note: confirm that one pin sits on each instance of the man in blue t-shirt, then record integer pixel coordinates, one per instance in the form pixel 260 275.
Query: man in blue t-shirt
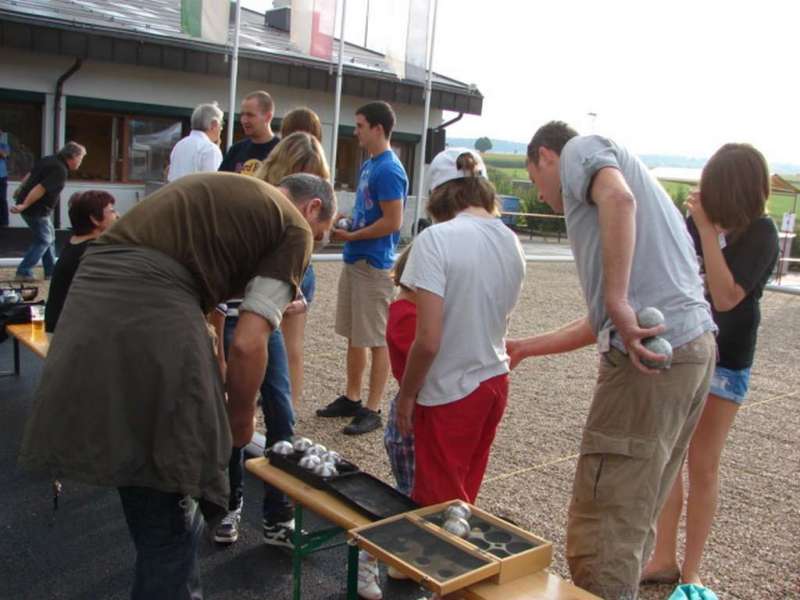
pixel 365 286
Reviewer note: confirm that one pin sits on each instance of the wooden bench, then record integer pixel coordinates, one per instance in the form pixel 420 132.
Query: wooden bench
pixel 33 338
pixel 537 586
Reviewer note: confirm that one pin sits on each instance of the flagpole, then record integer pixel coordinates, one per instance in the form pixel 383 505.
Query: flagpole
pixel 338 101
pixel 421 177
pixel 234 75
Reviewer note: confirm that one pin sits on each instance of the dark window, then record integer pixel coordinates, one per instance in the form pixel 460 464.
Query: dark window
pixel 22 121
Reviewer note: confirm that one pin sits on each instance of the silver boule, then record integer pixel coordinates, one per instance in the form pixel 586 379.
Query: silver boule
pixel 650 317
pixel 317 450
pixel 325 470
pixel 310 462
pixel 658 345
pixel 457 526
pixel 301 444
pixel 283 448
pixel 343 223
pixel 459 508
pixel 332 457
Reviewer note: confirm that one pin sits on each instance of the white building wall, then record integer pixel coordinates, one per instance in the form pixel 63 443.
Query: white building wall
pixel 39 72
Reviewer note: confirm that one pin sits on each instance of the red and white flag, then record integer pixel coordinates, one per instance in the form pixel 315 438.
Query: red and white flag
pixel 312 27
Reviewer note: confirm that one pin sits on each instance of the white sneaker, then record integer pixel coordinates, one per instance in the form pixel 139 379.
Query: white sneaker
pixel 368 577
pixel 227 531
pixel 396 573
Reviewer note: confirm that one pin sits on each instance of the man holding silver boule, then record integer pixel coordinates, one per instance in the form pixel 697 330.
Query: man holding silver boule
pixel 632 251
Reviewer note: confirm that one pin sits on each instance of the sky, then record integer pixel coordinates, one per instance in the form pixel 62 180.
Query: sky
pixel 661 76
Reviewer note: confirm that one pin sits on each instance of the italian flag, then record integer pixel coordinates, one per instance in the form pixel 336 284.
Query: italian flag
pixel 206 19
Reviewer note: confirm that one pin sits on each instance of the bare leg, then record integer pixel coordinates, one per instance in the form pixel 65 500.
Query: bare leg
pixel 705 452
pixel 356 365
pixel 664 560
pixel 294 328
pixel 378 376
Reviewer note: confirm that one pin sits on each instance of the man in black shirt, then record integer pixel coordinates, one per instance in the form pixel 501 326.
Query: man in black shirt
pixel 256 115
pixel 36 198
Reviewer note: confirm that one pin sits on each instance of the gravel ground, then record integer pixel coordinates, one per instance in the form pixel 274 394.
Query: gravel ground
pixel 752 552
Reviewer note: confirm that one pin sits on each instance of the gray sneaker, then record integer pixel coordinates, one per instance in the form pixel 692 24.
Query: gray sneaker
pixel 227 531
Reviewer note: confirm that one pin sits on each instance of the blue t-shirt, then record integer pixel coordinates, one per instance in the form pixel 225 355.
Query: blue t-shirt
pixel 381 178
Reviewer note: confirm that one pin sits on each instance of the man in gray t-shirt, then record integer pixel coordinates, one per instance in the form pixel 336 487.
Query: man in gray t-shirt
pixel 631 250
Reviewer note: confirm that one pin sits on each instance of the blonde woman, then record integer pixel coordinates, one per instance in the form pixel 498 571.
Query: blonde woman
pixel 298 152
pixel 282 386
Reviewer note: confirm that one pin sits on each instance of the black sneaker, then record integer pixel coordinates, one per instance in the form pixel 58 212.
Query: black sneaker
pixel 279 534
pixel 341 407
pixel 364 421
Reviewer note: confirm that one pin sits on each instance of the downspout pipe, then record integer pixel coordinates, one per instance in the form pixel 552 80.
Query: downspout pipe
pixel 57 117
pixel 455 119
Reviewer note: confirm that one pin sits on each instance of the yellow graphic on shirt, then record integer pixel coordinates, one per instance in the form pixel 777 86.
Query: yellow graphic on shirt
pixel 250 167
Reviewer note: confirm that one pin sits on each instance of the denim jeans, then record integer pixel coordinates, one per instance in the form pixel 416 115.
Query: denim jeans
pixel 42 247
pixel 276 403
pixel 165 529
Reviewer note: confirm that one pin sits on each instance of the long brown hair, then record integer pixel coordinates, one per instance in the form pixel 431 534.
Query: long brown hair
pixel 301 119
pixel 734 187
pixel 450 198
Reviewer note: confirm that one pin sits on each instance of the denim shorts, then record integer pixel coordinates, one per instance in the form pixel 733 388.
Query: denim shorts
pixel 729 384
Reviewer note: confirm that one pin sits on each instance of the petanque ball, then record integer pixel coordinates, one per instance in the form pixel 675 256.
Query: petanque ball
pixel 283 448
pixel 650 317
pixel 457 526
pixel 343 223
pixel 658 345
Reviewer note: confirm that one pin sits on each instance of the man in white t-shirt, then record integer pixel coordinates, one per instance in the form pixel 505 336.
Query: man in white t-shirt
pixel 199 151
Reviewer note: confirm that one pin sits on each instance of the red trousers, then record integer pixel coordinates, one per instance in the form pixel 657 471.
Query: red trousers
pixel 452 443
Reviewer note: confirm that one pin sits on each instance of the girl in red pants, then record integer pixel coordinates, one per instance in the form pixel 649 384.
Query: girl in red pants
pixel 467 271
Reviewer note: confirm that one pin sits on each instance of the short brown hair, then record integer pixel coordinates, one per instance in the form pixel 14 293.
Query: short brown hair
pixel 553 136
pixel 85 205
pixel 301 119
pixel 450 198
pixel 379 113
pixel 734 187
pixel 264 100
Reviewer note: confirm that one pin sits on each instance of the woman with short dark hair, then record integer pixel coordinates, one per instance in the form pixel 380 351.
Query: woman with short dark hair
pixel 91 213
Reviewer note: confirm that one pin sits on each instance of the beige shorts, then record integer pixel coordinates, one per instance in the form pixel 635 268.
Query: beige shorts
pixel 636 436
pixel 363 304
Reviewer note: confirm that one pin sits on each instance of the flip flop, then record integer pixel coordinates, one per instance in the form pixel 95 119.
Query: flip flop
pixel 661 577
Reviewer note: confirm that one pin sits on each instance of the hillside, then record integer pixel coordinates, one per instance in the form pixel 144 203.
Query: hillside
pixel 651 160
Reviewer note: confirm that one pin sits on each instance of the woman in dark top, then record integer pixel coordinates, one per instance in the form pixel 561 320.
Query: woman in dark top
pixel 737 247
pixel 91 213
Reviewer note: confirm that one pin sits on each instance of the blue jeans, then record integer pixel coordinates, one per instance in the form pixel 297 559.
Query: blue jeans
pixel 276 403
pixel 165 529
pixel 42 247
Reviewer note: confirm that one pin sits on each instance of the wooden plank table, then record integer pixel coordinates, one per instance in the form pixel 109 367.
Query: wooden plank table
pixel 33 338
pixel 537 586
pixel 337 512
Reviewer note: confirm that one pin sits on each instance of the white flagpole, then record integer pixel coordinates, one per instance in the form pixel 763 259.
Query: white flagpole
pixel 338 101
pixel 421 176
pixel 234 75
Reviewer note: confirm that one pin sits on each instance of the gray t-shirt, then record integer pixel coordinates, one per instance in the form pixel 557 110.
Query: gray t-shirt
pixel 664 273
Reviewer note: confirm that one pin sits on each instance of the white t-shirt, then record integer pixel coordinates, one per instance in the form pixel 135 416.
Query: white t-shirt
pixel 477 266
pixel 195 153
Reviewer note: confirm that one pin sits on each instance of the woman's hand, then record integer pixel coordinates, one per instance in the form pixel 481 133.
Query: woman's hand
pixel 695 205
